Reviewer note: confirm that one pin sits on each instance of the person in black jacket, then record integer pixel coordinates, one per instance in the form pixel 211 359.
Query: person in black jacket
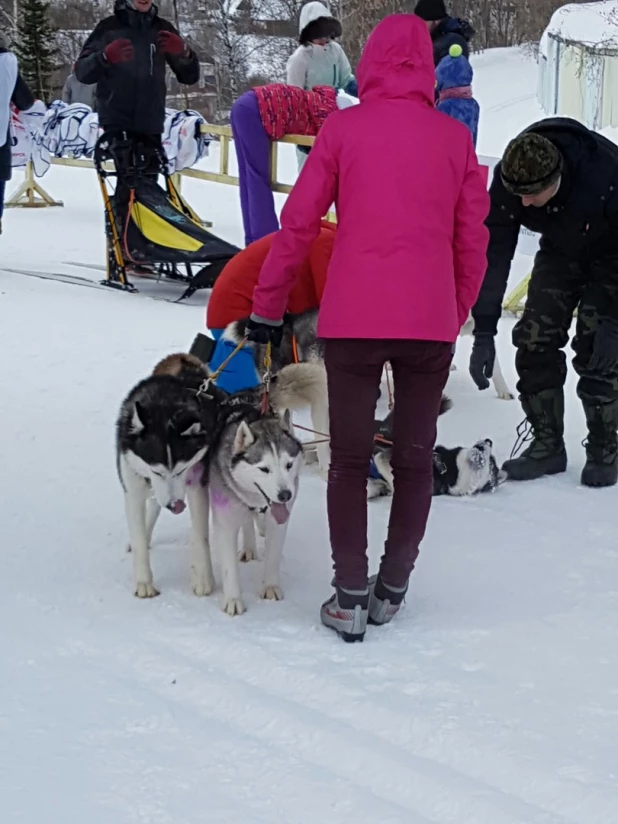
pixel 559 179
pixel 126 56
pixel 13 89
pixel 445 31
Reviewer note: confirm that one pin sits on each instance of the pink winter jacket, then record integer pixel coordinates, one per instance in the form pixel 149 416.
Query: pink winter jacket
pixel 410 252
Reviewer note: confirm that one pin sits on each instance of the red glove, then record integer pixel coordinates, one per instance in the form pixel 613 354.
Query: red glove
pixel 119 51
pixel 171 43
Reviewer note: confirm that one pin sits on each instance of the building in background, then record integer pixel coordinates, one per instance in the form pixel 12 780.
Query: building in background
pixel 578 64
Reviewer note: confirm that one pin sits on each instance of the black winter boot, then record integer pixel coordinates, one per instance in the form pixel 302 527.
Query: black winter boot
pixel 546 454
pixel 601 468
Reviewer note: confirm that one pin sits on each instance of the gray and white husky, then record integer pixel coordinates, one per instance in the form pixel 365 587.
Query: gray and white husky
pixel 254 471
pixel 178 435
pixel 300 345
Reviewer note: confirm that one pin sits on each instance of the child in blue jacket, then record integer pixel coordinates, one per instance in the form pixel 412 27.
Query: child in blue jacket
pixel 454 89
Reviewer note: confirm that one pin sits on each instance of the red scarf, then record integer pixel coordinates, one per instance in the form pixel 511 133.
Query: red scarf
pixel 456 93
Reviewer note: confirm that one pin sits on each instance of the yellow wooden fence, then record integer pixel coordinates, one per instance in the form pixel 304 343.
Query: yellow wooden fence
pixel 31 194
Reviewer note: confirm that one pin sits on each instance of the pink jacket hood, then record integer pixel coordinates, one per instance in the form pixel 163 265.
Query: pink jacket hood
pixel 397 61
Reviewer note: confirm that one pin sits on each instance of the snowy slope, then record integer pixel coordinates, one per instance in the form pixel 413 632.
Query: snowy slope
pixel 493 699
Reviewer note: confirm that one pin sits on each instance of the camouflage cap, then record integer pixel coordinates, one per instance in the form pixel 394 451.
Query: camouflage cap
pixel 531 164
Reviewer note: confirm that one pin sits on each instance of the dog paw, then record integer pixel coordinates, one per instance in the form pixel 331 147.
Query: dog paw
pixel 201 583
pixel 271 593
pixel 233 606
pixel 247 554
pixel 146 590
pixel 506 396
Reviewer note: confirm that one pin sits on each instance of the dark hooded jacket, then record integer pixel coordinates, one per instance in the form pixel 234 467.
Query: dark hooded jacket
pixel 580 223
pixel 131 96
pixel 451 31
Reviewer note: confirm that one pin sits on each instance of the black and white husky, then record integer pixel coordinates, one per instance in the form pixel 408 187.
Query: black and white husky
pixel 179 437
pixel 165 428
pixel 461 471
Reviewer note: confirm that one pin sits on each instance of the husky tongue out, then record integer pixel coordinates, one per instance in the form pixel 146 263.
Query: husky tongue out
pixel 176 507
pixel 280 513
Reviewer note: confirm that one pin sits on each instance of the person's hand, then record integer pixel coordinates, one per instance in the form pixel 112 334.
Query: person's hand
pixel 171 43
pixel 262 331
pixel 605 351
pixel 119 51
pixel 482 360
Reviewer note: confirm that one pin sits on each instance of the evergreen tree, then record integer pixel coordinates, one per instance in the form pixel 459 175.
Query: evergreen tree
pixel 36 47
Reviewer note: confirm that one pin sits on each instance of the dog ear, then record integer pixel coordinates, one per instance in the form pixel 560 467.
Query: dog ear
pixel 286 421
pixel 137 420
pixel 243 438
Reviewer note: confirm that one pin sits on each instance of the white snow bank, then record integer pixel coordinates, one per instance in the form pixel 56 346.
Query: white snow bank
pixel 590 23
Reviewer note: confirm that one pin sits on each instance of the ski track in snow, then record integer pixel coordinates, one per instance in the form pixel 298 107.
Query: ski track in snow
pixel 493 699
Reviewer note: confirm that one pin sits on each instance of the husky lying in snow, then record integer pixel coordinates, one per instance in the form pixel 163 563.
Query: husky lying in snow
pixel 300 344
pixel 177 434
pixel 459 471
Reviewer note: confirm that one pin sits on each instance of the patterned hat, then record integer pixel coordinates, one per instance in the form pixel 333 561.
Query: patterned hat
pixel 531 164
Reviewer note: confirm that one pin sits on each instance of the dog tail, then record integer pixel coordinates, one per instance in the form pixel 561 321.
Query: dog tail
pixel 236 331
pixel 178 364
pixel 300 385
pixel 445 404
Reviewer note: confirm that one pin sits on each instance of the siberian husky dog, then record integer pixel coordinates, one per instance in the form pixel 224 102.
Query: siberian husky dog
pixel 164 430
pixel 254 471
pixel 500 384
pixel 300 345
pixel 178 435
pixel 460 471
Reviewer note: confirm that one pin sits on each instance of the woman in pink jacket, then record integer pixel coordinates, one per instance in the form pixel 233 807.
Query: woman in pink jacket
pixel 407 265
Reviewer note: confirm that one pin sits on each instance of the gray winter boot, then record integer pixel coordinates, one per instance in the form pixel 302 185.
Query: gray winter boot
pixel 347 612
pixel 601 467
pixel 546 454
pixel 384 601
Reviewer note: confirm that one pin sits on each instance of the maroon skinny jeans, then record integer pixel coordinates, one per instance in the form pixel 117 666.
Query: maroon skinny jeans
pixel 354 368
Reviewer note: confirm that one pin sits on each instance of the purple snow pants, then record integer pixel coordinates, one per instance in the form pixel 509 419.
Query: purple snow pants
pixel 253 152
pixel 354 368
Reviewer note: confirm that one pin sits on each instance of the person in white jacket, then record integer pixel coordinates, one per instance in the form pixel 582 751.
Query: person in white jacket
pixel 319 60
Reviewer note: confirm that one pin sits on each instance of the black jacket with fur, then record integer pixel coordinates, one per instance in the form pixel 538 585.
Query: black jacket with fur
pixel 579 223
pixel 21 98
pixel 131 96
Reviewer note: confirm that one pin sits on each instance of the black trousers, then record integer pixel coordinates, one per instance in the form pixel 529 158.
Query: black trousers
pixel 558 287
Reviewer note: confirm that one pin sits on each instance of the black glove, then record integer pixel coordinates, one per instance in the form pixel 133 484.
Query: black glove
pixel 605 352
pixel 263 331
pixel 482 360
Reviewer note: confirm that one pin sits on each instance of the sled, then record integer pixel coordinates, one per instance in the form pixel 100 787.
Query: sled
pixel 152 230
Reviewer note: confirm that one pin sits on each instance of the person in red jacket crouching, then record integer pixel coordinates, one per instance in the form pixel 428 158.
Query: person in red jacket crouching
pixel 259 117
pixel 232 299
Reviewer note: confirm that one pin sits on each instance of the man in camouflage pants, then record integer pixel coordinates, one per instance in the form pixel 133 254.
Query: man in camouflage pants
pixel 561 180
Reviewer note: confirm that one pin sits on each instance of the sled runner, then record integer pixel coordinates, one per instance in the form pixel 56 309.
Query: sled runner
pixel 151 230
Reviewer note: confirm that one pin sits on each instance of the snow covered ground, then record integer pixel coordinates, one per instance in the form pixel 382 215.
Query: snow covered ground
pixel 493 699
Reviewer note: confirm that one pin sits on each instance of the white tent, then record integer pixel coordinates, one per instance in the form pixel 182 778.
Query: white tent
pixel 578 64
